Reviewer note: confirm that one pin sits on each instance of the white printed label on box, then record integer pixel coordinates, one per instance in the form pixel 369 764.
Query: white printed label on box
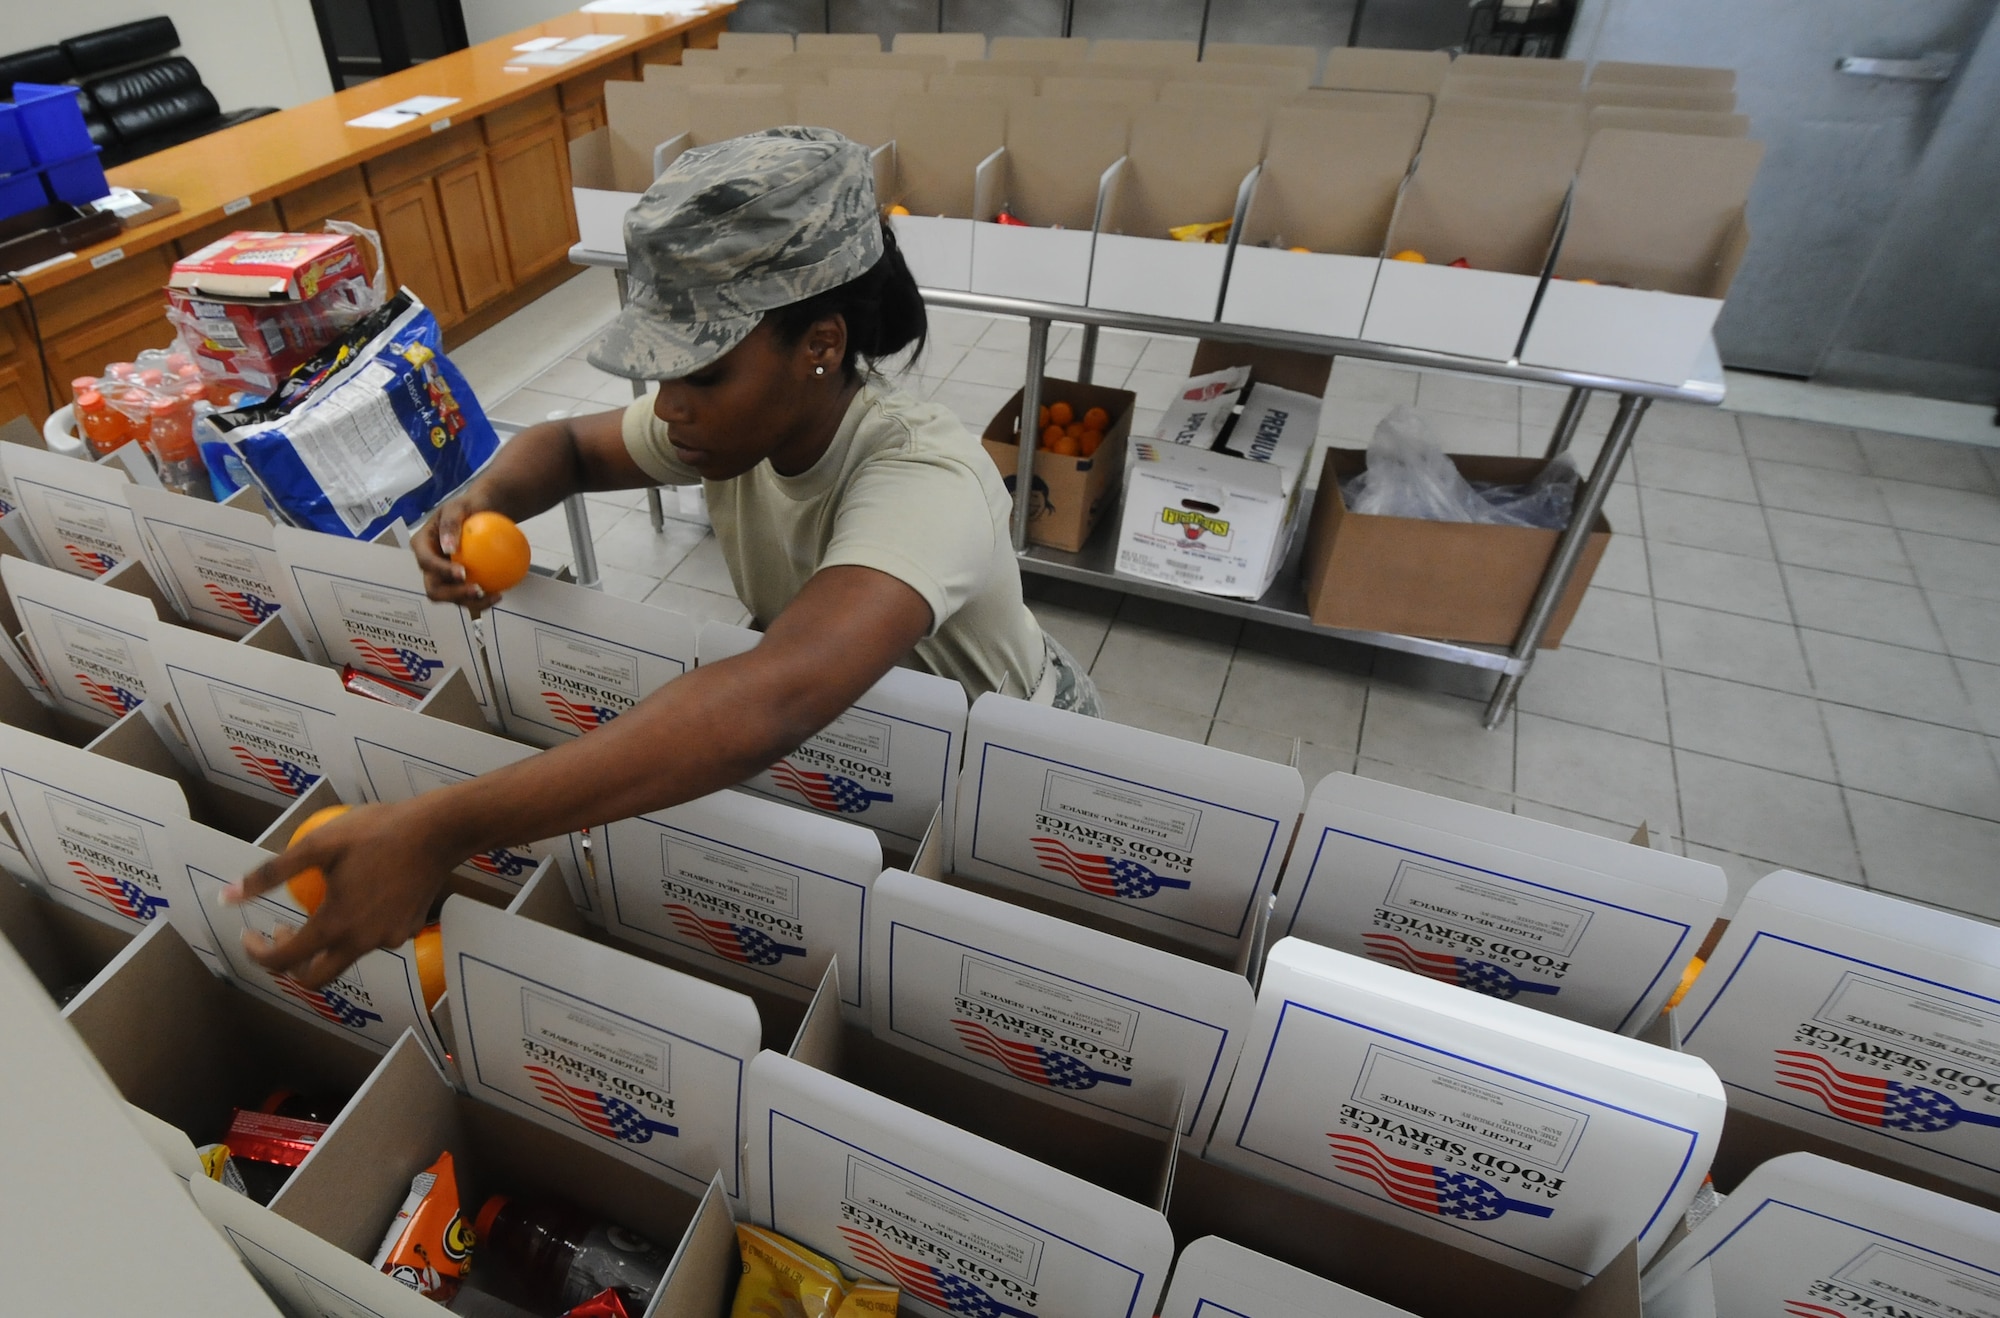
pixel 889 762
pixel 1053 1009
pixel 962 1226
pixel 261 722
pixel 1450 1115
pixel 1812 1238
pixel 582 1038
pixel 1214 1278
pixel 219 561
pixel 365 605
pixel 402 754
pixel 567 659
pixel 1593 930
pixel 89 641
pixel 1174 837
pixel 761 893
pixel 75 510
pixel 1865 1035
pixel 372 1001
pixel 97 832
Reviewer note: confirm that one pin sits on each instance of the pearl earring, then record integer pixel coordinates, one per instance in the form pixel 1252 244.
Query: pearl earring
pixel 819 370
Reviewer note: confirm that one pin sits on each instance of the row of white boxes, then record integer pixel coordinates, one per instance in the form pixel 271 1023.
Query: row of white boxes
pixel 1083 896
pixel 1602 223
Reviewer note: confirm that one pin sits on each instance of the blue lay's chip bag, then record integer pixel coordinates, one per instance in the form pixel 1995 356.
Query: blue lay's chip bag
pixel 378 425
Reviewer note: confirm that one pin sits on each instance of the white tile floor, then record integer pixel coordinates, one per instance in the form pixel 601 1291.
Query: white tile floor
pixel 1790 658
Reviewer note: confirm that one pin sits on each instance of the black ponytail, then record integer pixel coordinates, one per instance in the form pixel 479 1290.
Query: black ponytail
pixel 883 310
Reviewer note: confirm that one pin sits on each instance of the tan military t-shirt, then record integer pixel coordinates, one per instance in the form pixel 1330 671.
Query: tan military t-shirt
pixel 902 489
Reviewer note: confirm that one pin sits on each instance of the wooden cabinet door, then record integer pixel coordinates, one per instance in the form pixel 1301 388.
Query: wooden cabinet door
pixel 413 240
pixel 587 119
pixel 531 183
pixel 117 336
pixel 19 394
pixel 472 222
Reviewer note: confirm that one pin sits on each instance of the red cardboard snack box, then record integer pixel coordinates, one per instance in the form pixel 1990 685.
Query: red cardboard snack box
pixel 250 306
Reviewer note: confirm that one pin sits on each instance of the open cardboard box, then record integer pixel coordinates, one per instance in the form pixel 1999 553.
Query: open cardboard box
pixel 1071 494
pixel 1051 177
pixel 866 115
pixel 1182 166
pixel 1038 48
pixel 1455 581
pixel 312 1246
pixel 1663 215
pixel 1329 183
pixel 64 949
pixel 975 80
pixel 1647 119
pixel 1556 72
pixel 945 166
pixel 1367 69
pixel 1122 88
pixel 184 1047
pixel 1490 191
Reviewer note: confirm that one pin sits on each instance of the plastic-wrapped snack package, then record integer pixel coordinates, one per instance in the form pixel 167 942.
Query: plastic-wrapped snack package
pixel 378 425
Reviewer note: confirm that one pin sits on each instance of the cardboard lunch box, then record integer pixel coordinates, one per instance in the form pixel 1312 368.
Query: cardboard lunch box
pixel 1366 69
pixel 1489 190
pixel 1452 581
pixel 1182 166
pixel 1071 494
pixel 1658 221
pixel 1051 177
pixel 63 949
pixel 943 164
pixel 1329 183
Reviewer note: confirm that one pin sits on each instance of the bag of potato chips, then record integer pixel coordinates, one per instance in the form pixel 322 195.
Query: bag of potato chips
pixel 782 1279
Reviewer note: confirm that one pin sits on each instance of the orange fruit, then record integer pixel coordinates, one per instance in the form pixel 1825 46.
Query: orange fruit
pixel 429 947
pixel 493 551
pixel 1688 977
pixel 1061 413
pixel 308 887
pixel 1051 435
pixel 1075 429
pixel 1591 282
pixel 1042 416
pixel 1410 254
pixel 1090 442
pixel 1097 419
pixel 899 210
pixel 1303 251
pixel 1066 444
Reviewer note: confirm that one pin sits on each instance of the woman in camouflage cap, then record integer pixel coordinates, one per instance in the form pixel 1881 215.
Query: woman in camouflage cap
pixel 862 527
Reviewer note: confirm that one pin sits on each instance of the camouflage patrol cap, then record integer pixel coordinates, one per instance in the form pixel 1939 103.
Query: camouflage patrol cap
pixel 732 231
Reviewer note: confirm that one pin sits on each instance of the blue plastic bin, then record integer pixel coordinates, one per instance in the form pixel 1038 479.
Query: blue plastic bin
pixel 21 192
pixel 51 121
pixel 13 147
pixel 78 180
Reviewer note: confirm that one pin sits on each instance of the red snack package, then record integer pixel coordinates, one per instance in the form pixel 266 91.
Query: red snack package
pixel 607 1303
pixel 428 1246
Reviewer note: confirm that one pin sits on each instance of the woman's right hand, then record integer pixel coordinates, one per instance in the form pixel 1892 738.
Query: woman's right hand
pixel 436 541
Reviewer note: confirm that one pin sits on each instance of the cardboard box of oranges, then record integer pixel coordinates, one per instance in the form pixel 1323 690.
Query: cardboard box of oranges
pixel 1078 457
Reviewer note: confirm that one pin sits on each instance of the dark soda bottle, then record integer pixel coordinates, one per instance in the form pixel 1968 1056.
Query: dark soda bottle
pixel 560 1255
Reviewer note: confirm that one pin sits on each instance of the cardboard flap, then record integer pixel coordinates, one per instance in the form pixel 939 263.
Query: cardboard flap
pixel 1113 50
pixel 1056 154
pixel 754 45
pixel 1302 372
pixel 1280 78
pixel 1216 1276
pixel 89 642
pixel 1657 210
pixel 1099 90
pixel 1222 95
pixel 667 152
pixel 1238 52
pixel 75 512
pixel 940 141
pixel 1709 100
pixel 1607 72
pixel 1488 191
pixel 639 116
pixel 1330 179
pixel 716 114
pixel 892 82
pixel 972 80
pixel 1367 69
pixel 1560 72
pixel 1038 48
pixel 953 46
pixel 219 561
pixel 706 1264
pixel 862 113
pixel 1184 166
pixel 817 1040
pixel 1702 122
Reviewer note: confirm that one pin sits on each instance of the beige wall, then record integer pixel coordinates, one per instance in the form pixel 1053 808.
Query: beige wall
pixel 250 52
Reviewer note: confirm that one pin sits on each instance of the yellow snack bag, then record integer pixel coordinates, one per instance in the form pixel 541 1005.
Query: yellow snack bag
pixel 869 1299
pixel 1214 232
pixel 784 1280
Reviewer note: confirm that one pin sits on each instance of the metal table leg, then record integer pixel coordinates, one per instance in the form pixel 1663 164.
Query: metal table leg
pixel 1566 424
pixel 581 547
pixel 1555 581
pixel 1031 433
pixel 1086 355
pixel 654 511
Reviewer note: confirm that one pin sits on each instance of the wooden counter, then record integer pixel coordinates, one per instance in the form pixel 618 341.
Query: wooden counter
pixel 473 202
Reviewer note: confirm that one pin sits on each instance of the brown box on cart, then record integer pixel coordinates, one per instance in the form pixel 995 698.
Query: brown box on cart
pixel 1070 494
pixel 1449 581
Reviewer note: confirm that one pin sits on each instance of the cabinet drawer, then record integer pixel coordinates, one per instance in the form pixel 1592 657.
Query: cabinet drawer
pixel 102 292
pixel 308 207
pixel 583 120
pixel 421 159
pixel 117 336
pixel 588 87
pixel 521 117
pixel 262 217
pixel 20 394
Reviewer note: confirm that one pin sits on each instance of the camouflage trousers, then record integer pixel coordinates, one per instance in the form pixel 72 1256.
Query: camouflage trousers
pixel 1065 684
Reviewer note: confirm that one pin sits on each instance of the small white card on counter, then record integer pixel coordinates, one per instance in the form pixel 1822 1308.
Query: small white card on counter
pixel 1808 1237
pixel 76 511
pixel 758 892
pixel 962 1225
pixel 1531 1140
pixel 889 762
pixel 1860 1018
pixel 374 1000
pixel 1178 839
pixel 89 641
pixel 364 605
pixel 100 834
pixel 583 1038
pixel 220 562
pixel 1050 1008
pixel 263 723
pixel 1550 917
pixel 567 659
pixel 1214 1278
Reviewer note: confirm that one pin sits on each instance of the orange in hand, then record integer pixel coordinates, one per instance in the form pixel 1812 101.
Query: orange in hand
pixel 1097 419
pixel 308 887
pixel 493 552
pixel 1061 413
pixel 429 947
